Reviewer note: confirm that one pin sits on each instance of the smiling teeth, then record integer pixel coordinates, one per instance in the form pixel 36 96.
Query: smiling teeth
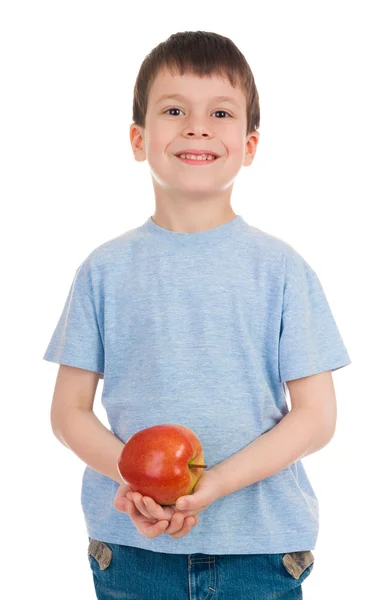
pixel 198 156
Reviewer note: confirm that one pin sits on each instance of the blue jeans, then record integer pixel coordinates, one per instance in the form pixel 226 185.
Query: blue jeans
pixel 137 574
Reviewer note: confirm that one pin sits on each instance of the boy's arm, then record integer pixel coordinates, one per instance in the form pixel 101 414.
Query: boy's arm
pixel 76 426
pixel 308 427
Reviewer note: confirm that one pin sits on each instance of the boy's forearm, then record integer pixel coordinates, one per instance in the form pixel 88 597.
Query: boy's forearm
pixel 82 432
pixel 298 434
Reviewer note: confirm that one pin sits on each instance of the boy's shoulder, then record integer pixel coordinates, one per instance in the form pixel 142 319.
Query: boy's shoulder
pixel 271 242
pixel 114 247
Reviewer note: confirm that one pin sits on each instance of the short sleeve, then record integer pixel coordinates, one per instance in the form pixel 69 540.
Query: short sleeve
pixel 77 339
pixel 309 341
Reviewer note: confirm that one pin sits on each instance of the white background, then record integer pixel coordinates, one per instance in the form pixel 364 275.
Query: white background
pixel 321 180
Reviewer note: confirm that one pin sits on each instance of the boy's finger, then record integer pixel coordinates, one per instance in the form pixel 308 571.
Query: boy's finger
pixel 135 514
pixel 120 504
pixel 156 510
pixel 137 499
pixel 149 530
pixel 176 523
pixel 189 522
pixel 157 529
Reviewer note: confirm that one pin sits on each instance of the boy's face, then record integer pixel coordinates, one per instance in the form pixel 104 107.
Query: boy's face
pixel 195 121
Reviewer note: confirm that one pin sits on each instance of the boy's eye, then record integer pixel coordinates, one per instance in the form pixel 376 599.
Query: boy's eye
pixel 217 111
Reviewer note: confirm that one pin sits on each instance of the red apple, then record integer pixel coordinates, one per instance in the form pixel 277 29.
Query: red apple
pixel 163 462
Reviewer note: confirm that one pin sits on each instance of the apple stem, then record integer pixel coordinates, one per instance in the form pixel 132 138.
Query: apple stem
pixel 199 466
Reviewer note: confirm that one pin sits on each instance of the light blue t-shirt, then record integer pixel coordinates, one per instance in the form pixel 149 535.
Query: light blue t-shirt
pixel 201 329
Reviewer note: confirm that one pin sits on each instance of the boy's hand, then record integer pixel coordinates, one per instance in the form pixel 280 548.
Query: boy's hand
pixel 206 491
pixel 156 521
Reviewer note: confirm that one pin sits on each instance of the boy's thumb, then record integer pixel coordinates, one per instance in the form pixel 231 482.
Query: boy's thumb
pixel 189 502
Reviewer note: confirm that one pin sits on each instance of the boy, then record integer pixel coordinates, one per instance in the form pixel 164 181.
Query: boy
pixel 200 319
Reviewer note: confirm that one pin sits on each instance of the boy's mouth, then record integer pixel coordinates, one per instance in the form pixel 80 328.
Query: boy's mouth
pixel 197 161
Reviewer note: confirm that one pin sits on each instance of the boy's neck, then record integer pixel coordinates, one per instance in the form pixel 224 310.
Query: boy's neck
pixel 188 222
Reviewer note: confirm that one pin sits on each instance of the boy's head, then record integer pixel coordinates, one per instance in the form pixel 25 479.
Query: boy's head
pixel 200 67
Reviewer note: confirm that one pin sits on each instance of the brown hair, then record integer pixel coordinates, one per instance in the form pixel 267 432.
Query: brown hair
pixel 200 53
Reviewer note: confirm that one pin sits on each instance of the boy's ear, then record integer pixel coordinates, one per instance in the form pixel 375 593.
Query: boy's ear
pixel 250 148
pixel 137 142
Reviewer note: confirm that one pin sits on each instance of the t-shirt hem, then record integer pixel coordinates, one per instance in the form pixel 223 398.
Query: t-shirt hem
pixel 295 543
pixel 88 366
pixel 307 371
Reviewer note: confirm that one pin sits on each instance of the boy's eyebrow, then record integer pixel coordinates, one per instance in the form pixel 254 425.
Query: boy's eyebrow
pixel 181 97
